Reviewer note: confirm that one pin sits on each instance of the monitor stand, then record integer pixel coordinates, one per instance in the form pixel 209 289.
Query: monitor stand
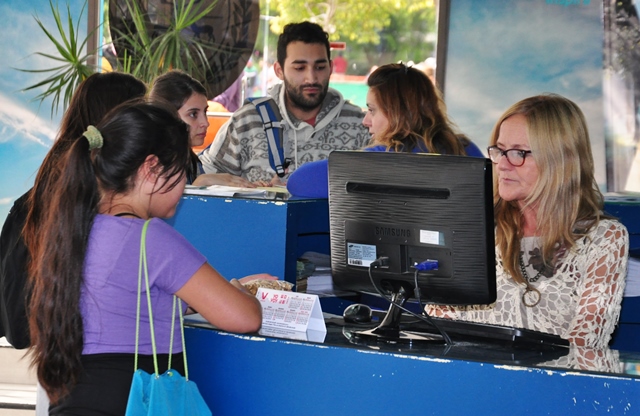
pixel 389 329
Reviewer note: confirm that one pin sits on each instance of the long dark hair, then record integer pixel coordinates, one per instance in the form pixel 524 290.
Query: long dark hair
pixel 131 133
pixel 175 87
pixel 94 97
pixel 416 113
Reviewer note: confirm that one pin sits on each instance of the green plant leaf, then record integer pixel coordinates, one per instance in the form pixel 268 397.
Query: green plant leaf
pixel 65 78
pixel 140 54
pixel 148 57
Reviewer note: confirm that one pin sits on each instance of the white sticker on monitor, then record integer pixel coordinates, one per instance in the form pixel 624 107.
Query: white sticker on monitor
pixel 360 254
pixel 431 237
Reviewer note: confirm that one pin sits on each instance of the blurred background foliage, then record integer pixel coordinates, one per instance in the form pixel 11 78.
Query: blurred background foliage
pixel 375 32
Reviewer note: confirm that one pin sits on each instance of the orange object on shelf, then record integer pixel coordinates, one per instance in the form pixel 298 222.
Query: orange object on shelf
pixel 216 120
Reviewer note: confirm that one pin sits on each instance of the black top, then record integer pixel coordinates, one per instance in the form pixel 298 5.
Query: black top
pixel 14 260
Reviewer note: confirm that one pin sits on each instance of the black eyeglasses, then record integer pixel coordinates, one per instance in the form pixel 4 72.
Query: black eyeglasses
pixel 514 156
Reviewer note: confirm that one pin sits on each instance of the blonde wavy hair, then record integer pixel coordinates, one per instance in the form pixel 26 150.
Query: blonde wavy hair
pixel 566 194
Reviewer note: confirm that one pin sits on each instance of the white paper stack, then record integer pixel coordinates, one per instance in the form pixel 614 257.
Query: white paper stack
pixel 222 190
pixel 320 282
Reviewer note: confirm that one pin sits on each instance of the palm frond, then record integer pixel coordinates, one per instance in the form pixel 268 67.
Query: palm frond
pixel 140 54
pixel 149 57
pixel 65 78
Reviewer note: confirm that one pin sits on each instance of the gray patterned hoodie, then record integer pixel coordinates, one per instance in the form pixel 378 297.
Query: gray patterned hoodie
pixel 240 146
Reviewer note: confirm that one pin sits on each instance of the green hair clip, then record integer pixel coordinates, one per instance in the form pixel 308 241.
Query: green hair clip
pixel 94 137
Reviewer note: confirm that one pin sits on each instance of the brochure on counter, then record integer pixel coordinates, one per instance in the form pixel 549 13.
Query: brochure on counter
pixel 291 315
pixel 285 314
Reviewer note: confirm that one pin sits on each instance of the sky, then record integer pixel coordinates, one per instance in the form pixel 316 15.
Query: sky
pixel 27 128
pixel 500 52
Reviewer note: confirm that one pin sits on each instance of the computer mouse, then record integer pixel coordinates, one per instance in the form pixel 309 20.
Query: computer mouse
pixel 357 313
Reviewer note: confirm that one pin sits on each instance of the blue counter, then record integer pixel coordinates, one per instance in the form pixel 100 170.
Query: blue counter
pixel 627 210
pixel 256 375
pixel 241 236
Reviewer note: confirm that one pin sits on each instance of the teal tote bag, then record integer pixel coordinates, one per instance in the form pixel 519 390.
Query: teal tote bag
pixel 167 394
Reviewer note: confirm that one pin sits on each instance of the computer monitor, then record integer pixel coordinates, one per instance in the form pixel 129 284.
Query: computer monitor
pixel 390 212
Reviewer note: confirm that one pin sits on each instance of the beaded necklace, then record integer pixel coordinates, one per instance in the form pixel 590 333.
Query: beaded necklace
pixel 531 296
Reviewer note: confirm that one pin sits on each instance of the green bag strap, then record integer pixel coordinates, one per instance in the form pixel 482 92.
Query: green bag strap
pixel 176 301
pixel 184 345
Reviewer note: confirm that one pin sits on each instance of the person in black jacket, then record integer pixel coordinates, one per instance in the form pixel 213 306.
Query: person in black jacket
pixel 93 98
pixel 13 276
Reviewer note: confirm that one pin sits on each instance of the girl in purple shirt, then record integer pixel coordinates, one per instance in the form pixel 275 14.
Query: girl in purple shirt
pixel 85 248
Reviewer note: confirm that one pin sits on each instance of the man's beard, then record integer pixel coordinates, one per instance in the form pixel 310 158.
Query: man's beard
pixel 298 99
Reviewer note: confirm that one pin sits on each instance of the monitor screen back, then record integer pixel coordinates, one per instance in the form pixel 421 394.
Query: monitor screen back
pixel 413 208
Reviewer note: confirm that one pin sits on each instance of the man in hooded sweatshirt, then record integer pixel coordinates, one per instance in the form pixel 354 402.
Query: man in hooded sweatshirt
pixel 316 119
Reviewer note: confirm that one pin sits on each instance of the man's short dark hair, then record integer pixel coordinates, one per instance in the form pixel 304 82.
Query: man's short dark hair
pixel 306 32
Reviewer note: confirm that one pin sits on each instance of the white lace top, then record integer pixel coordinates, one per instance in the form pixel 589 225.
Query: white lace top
pixel 580 301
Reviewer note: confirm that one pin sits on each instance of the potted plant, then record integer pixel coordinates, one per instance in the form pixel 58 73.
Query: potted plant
pixel 144 50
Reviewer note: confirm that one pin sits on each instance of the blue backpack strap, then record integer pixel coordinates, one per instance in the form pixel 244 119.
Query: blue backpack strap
pixel 272 122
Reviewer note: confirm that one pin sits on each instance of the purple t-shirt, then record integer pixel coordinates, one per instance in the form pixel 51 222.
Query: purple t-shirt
pixel 109 294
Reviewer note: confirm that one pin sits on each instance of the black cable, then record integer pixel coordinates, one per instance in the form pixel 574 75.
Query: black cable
pixel 425 314
pixel 423 317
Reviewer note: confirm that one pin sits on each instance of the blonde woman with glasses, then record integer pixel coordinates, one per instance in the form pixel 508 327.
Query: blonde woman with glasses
pixel 560 262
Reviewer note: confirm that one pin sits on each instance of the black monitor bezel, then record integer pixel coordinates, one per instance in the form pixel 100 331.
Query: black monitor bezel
pixel 420 174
